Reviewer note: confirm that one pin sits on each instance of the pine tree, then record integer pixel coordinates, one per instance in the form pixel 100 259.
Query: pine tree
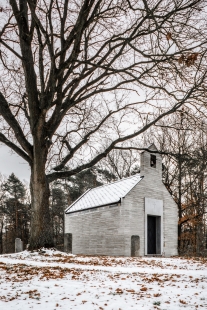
pixel 14 187
pixel 58 204
pixel 17 212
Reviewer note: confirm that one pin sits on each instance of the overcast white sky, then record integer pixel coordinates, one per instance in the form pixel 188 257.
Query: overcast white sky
pixel 10 162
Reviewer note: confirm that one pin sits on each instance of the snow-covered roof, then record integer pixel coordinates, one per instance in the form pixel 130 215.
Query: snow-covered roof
pixel 104 195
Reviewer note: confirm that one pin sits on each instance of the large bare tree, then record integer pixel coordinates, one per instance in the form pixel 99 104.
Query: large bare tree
pixel 80 77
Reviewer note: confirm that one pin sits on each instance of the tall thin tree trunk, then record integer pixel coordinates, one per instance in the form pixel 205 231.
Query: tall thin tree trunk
pixel 1 237
pixel 179 203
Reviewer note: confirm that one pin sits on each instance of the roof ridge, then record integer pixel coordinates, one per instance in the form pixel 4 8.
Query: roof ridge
pixel 137 174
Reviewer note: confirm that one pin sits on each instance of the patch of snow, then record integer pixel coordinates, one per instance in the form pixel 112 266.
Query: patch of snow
pixel 53 280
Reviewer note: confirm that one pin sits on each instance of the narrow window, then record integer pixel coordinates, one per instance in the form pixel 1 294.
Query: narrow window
pixel 152 161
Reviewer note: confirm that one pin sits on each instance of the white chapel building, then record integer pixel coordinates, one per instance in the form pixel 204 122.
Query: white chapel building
pixel 135 216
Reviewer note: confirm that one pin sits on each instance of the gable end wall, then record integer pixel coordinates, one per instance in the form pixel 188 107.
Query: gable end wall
pixel 134 210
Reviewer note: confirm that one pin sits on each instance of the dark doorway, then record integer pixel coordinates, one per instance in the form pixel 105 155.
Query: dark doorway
pixel 151 234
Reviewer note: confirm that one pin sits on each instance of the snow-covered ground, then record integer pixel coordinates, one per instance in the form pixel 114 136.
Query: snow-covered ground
pixel 53 280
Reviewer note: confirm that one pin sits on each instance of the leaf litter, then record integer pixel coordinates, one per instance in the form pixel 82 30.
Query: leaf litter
pixel 49 279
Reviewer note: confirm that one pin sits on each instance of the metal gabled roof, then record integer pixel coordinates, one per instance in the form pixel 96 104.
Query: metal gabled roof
pixel 104 195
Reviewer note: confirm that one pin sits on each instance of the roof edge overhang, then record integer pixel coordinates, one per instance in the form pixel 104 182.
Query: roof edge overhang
pixel 90 208
pixel 68 208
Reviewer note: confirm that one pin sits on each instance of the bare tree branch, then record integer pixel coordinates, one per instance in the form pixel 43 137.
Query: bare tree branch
pixel 15 148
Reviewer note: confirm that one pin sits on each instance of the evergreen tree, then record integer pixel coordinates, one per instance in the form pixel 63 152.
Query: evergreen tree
pixel 76 185
pixel 14 187
pixel 57 207
pixel 17 212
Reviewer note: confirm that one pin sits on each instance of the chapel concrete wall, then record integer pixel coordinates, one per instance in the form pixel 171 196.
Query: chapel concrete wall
pixel 99 231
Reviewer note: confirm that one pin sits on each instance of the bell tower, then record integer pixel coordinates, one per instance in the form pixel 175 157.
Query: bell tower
pixel 151 163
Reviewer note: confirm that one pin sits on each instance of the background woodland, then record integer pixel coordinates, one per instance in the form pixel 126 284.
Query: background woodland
pixel 183 145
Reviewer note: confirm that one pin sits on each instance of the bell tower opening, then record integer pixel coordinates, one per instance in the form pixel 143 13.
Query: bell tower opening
pixel 152 161
pixel 151 164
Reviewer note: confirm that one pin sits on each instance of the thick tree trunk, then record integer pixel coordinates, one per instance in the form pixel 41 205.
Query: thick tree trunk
pixel 41 226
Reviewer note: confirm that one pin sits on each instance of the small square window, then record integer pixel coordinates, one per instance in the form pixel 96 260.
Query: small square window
pixel 152 161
